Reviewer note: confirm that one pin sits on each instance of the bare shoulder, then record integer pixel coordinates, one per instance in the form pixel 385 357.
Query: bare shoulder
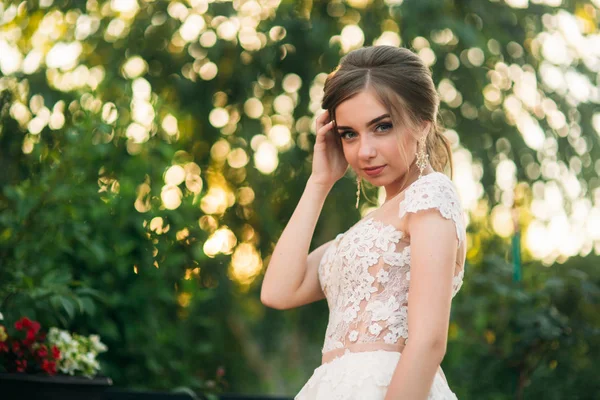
pixel 434 202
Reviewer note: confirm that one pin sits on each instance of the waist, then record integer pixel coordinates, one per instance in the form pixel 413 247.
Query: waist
pixel 358 347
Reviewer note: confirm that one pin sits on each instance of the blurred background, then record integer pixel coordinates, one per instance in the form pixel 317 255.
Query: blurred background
pixel 151 153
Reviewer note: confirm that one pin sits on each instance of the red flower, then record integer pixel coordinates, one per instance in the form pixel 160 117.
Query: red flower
pixel 42 352
pixel 49 367
pixel 30 338
pixel 3 347
pixel 19 325
pixel 55 353
pixel 21 365
pixel 34 327
pixel 17 348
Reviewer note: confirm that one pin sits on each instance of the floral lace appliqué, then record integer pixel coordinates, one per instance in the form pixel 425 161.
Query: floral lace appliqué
pixel 365 273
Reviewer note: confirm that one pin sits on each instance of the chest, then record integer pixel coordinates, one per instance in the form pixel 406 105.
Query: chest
pixel 371 255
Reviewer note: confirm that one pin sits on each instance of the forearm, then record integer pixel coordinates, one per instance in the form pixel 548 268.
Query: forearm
pixel 415 372
pixel 287 266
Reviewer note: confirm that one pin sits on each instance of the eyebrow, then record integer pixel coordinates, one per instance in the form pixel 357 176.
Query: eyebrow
pixel 368 123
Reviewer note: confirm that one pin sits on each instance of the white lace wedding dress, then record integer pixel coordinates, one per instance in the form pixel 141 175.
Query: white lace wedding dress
pixel 365 275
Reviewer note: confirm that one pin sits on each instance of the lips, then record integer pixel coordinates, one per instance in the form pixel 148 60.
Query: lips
pixel 374 170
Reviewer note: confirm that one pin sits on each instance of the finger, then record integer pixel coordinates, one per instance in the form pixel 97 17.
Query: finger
pixel 325 128
pixel 322 131
pixel 323 118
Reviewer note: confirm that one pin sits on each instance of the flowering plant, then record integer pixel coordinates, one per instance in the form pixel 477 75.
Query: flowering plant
pixel 31 350
pixel 27 350
pixel 78 352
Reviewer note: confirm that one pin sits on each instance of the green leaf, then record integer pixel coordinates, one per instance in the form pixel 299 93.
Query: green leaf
pixel 68 306
pixel 89 307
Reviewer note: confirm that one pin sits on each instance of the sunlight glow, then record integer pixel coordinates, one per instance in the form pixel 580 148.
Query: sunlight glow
pixel 246 264
pixel 388 38
pixel 351 37
pixel 10 58
pixel 171 196
pixel 544 88
pixel 281 137
pixel 192 27
pixel 215 201
pixel 221 241
pixel 64 55
pixel 134 67
pixel 266 158
pixel 175 175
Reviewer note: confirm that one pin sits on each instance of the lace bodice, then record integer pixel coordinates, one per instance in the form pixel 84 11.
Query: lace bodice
pixel 365 272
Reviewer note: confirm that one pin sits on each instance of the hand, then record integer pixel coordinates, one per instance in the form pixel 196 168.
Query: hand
pixel 329 163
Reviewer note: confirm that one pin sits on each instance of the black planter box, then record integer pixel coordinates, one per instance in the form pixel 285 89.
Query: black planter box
pixel 57 387
pixel 64 387
pixel 233 396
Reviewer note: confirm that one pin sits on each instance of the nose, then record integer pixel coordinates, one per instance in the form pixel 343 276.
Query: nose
pixel 366 149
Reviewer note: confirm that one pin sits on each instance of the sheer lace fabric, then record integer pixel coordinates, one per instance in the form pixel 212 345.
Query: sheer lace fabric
pixel 365 275
pixel 365 272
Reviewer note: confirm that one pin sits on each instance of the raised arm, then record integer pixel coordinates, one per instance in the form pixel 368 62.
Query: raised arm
pixel 291 279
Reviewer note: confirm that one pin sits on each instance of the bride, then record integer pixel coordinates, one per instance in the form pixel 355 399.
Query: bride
pixel 392 276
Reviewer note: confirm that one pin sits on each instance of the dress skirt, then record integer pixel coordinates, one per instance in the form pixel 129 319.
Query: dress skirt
pixel 362 376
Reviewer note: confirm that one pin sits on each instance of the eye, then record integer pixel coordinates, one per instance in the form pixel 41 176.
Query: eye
pixel 344 135
pixel 384 127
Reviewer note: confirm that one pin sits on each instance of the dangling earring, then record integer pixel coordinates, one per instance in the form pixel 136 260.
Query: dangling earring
pixel 422 155
pixel 357 190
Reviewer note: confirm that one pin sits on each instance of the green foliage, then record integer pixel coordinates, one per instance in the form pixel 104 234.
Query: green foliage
pixel 522 337
pixel 68 254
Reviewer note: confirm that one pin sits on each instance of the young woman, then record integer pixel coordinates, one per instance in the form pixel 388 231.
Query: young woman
pixel 392 276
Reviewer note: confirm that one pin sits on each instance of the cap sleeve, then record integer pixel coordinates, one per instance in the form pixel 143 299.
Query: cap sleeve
pixel 436 191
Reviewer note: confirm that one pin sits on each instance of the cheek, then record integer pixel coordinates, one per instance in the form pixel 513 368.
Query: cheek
pixel 391 147
pixel 350 153
pixel 397 151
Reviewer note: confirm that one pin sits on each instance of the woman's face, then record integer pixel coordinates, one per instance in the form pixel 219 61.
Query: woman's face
pixel 370 140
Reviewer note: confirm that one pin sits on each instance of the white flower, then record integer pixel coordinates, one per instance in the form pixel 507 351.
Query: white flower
pixel 97 345
pixel 351 313
pixel 400 316
pixel 382 311
pixel 353 336
pixel 390 338
pixel 383 276
pixel 78 353
pixel 400 323
pixel 364 287
pixel 395 259
pixel 1 316
pixel 375 329
pixel 387 235
pixel 368 259
pixel 65 337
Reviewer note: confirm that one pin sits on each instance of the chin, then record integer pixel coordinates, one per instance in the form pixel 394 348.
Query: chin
pixel 376 180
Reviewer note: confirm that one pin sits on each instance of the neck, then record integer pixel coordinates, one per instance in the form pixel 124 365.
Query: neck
pixel 398 186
